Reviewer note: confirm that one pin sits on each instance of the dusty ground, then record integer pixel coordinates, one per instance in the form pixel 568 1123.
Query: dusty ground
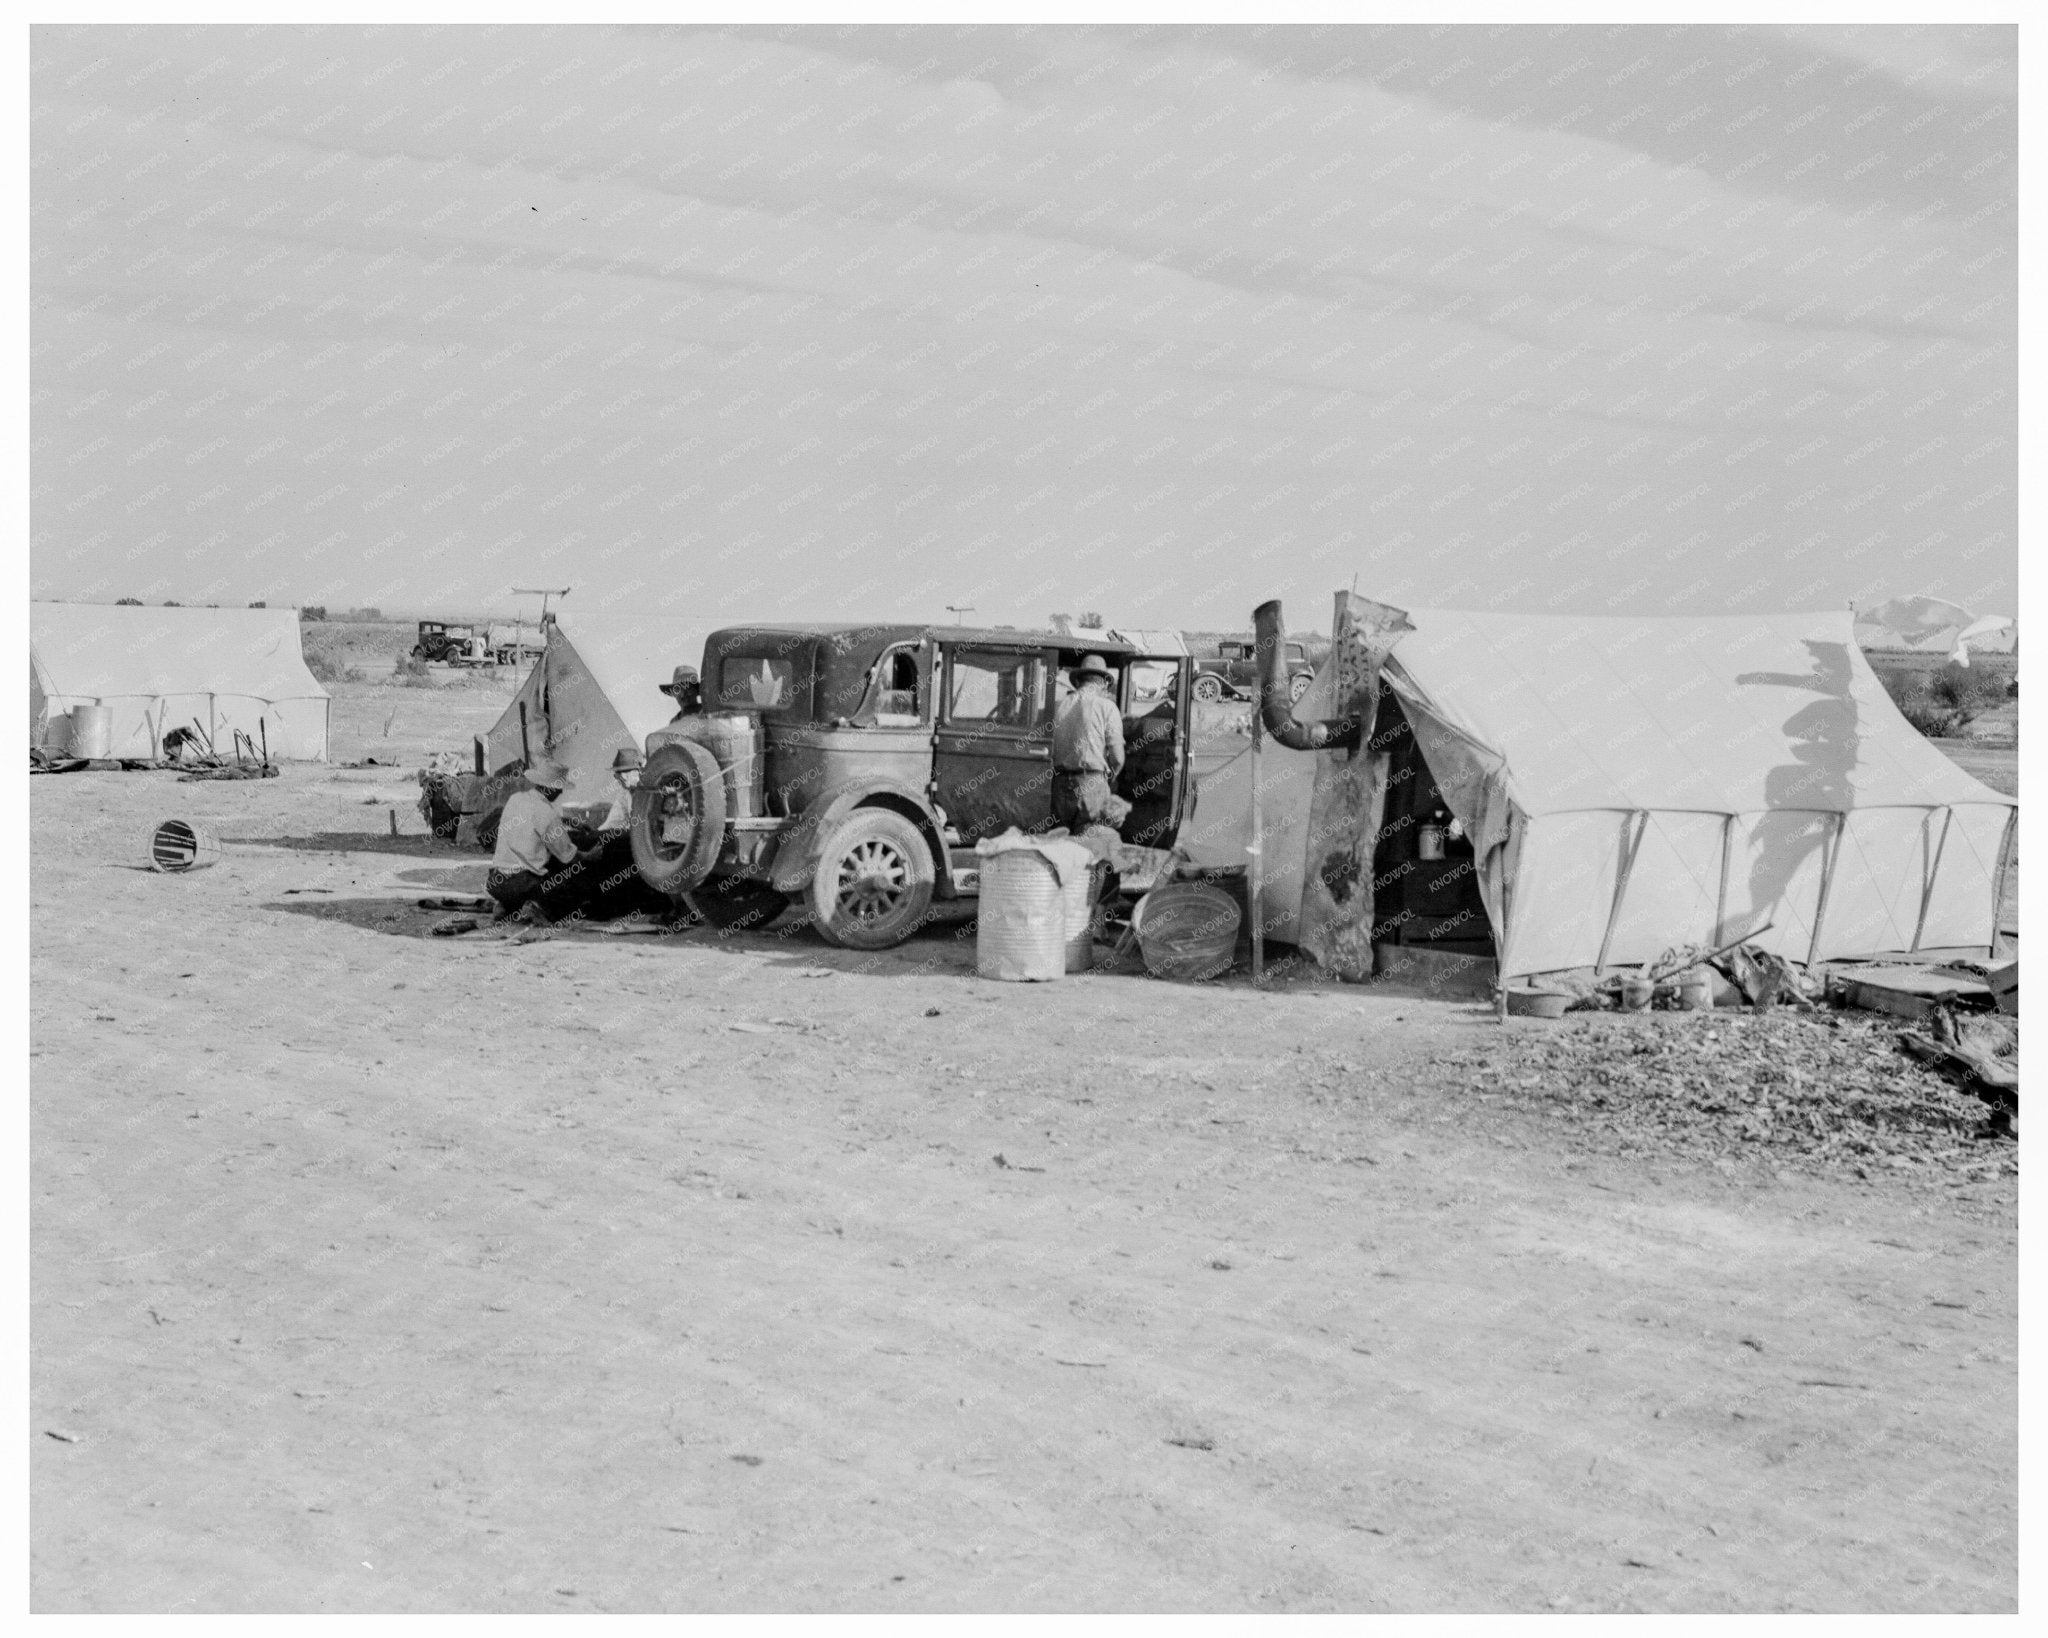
pixel 379 1272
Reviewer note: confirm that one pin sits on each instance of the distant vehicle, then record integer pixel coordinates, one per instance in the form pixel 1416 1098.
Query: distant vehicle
pixel 1234 673
pixel 440 643
pixel 513 646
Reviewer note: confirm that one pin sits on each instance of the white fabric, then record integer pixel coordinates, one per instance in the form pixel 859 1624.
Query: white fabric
pixel 159 669
pixel 1924 624
pixel 596 690
pixel 1765 745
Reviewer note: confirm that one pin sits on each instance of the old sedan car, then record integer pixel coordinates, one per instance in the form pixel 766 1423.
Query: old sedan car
pixel 854 767
pixel 1234 673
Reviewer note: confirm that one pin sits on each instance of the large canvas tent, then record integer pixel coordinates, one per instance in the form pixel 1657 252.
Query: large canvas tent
pixel 164 668
pixel 1631 784
pixel 595 689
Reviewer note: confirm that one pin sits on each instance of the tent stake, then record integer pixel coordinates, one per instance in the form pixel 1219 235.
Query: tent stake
pixel 1927 887
pixel 1628 865
pixel 1827 882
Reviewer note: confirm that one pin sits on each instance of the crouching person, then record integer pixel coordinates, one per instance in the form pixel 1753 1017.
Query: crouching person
pixel 537 873
pixel 617 889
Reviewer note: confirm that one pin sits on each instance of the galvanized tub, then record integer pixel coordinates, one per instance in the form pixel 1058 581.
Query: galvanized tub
pixel 1187 930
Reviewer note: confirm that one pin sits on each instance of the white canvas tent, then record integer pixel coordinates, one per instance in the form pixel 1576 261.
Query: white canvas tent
pixel 159 668
pixel 596 688
pixel 1631 784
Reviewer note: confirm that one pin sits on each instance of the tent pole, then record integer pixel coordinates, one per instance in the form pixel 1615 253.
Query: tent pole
pixel 1827 882
pixel 1927 886
pixel 1501 857
pixel 1621 876
pixel 1253 874
pixel 2005 853
pixel 1721 898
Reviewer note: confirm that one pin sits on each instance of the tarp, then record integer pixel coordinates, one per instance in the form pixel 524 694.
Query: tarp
pixel 595 689
pixel 161 668
pixel 1631 784
pixel 1933 625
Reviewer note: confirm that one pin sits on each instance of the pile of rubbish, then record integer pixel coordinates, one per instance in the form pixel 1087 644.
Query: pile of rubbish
pixel 1810 1091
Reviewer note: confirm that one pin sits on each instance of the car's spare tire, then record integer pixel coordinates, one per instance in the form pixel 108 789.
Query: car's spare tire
pixel 873 883
pixel 678 817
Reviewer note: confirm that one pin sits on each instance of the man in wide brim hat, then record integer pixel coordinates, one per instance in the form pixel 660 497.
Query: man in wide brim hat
pixel 1087 749
pixel 684 688
pixel 537 872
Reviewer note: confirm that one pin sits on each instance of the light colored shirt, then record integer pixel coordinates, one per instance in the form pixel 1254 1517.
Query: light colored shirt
pixel 531 835
pixel 1088 733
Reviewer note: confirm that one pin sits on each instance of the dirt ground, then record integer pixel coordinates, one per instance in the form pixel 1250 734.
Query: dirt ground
pixel 373 1271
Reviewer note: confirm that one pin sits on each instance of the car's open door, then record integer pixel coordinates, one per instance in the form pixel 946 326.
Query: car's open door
pixel 992 739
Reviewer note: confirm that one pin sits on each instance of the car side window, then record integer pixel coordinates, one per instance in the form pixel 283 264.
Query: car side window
pixel 996 690
pixel 897 696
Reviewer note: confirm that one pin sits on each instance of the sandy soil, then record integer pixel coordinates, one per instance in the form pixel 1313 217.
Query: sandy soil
pixel 377 1272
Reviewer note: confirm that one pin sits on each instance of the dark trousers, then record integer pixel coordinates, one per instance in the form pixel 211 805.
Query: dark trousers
pixel 600 888
pixel 1078 799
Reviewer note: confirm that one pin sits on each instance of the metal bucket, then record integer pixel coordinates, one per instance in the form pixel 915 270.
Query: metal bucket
pixel 1696 990
pixel 178 845
pixel 1187 930
pixel 1021 923
pixel 92 731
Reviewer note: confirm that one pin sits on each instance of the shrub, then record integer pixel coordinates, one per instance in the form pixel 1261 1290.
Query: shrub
pixel 325 667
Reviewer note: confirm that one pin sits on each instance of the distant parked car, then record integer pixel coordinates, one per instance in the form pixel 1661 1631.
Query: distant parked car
pixel 1234 673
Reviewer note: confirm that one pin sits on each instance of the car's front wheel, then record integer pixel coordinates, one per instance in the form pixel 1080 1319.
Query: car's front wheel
pixel 873 883
pixel 1208 688
pixel 1299 686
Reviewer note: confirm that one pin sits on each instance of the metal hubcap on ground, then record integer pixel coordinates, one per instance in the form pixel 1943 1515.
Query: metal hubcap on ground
pixel 874 876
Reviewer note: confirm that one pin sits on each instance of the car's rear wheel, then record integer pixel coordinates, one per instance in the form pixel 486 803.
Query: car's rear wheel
pixel 873 883
pixel 678 818
pixel 735 904
pixel 1299 686
pixel 1208 688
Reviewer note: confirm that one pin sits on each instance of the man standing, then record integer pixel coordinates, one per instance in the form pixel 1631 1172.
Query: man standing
pixel 1087 748
pixel 537 872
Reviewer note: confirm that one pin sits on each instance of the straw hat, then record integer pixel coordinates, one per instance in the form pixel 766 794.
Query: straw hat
pixel 684 676
pixel 1092 665
pixel 544 773
pixel 626 758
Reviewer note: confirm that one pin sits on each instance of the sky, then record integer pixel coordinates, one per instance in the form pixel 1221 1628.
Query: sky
pixel 848 323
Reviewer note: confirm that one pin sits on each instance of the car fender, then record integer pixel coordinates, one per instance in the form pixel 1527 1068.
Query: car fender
pixel 799 847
